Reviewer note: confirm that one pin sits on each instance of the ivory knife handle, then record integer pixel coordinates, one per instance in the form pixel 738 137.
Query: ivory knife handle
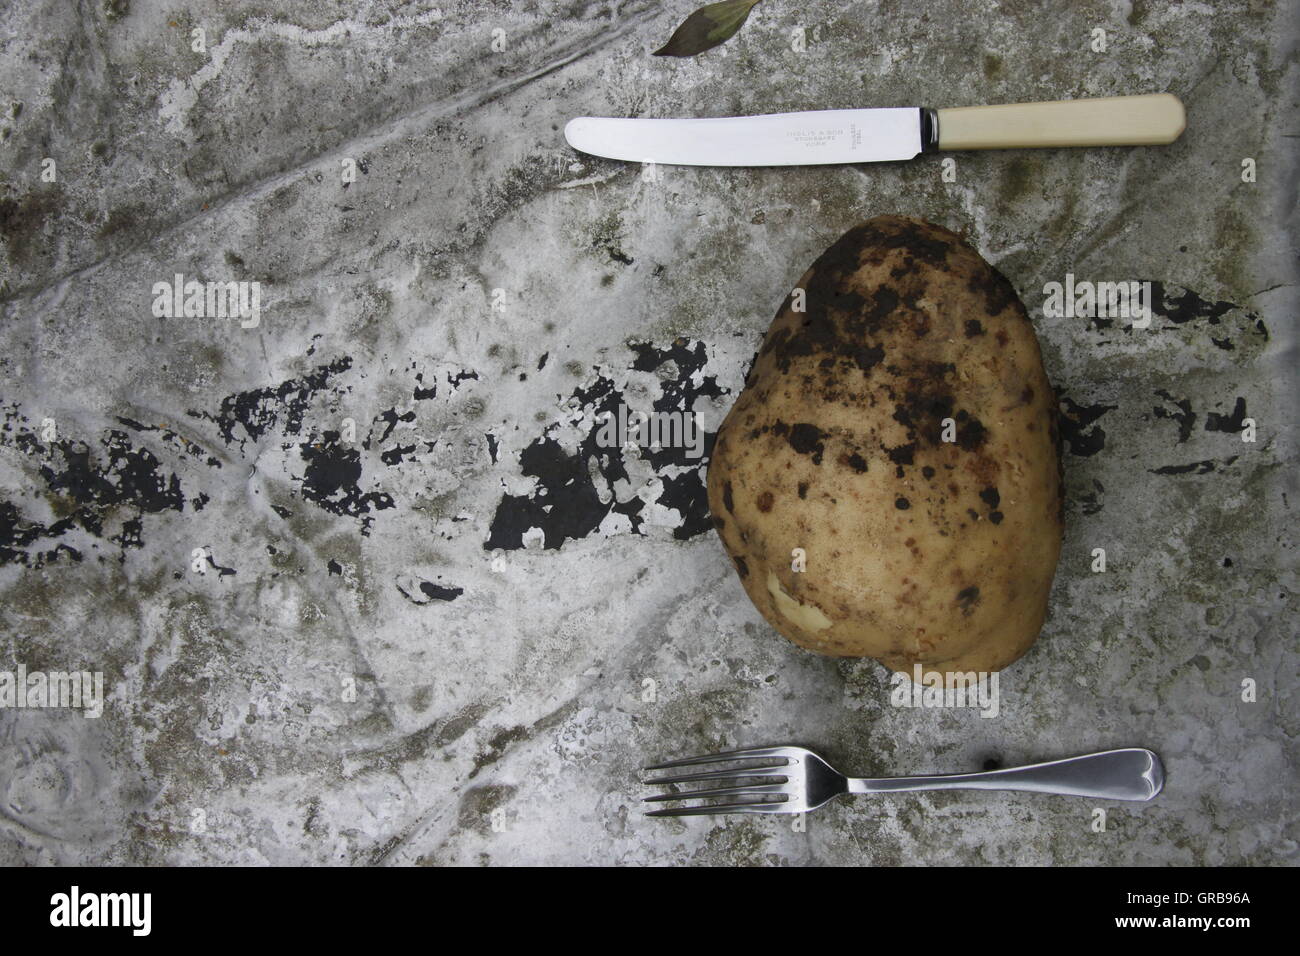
pixel 1155 119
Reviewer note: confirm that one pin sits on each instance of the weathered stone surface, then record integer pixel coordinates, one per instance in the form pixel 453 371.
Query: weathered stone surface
pixel 455 613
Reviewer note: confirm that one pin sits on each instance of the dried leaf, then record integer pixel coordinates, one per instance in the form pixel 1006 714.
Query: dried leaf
pixel 707 27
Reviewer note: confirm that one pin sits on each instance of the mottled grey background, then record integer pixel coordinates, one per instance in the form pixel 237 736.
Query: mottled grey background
pixel 497 586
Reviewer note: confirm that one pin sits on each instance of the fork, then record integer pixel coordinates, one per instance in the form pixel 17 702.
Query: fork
pixel 796 780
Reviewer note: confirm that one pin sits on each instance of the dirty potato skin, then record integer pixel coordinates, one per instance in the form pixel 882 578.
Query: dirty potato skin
pixel 918 550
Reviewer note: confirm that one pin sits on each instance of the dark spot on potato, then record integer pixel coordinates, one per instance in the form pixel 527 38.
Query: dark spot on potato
pixel 967 598
pixel 808 439
pixel 971 433
pixel 727 501
pixel 902 504
pixel 927 471
pixel 927 401
pixel 973 328
pixel 857 463
pixel 902 455
pixel 867 358
pixel 923 241
pixel 1026 396
pixel 765 501
pixel 803 489
pixel 990 497
pixel 774 340
pixel 998 292
pixel 741 567
pixel 995 517
pixel 840 317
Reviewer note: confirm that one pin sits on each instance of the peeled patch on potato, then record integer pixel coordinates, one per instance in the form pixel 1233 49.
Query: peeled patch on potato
pixel 898 427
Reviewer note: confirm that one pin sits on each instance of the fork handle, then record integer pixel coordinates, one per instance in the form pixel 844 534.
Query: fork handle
pixel 1128 774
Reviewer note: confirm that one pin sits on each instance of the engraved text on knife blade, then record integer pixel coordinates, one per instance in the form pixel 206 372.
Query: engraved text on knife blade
pixel 829 136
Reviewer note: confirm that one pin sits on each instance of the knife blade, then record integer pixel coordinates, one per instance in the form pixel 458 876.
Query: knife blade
pixel 820 137
pixel 777 139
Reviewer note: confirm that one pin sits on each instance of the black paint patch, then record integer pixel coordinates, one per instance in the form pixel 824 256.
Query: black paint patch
pixel 1229 424
pixel 1078 428
pixel 571 508
pixel 90 489
pixel 130 476
pixel 568 505
pixel 1192 468
pixel 222 572
pixel 396 455
pixel 332 481
pixel 436 592
pixel 17 536
pixel 678 393
pixel 1091 502
pixel 422 393
pixel 1184 306
pixel 247 416
pixel 426 592
pixel 1181 306
pixel 390 418
pixel 688 495
pixel 179 443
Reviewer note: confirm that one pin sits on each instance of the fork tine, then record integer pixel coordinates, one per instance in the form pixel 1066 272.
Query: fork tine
pixel 724 808
pixel 717 792
pixel 721 774
pixel 753 752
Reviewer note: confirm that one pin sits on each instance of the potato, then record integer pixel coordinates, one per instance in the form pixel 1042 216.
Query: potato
pixel 899 428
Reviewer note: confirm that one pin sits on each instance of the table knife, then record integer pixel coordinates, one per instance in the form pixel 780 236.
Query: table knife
pixel 880 135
